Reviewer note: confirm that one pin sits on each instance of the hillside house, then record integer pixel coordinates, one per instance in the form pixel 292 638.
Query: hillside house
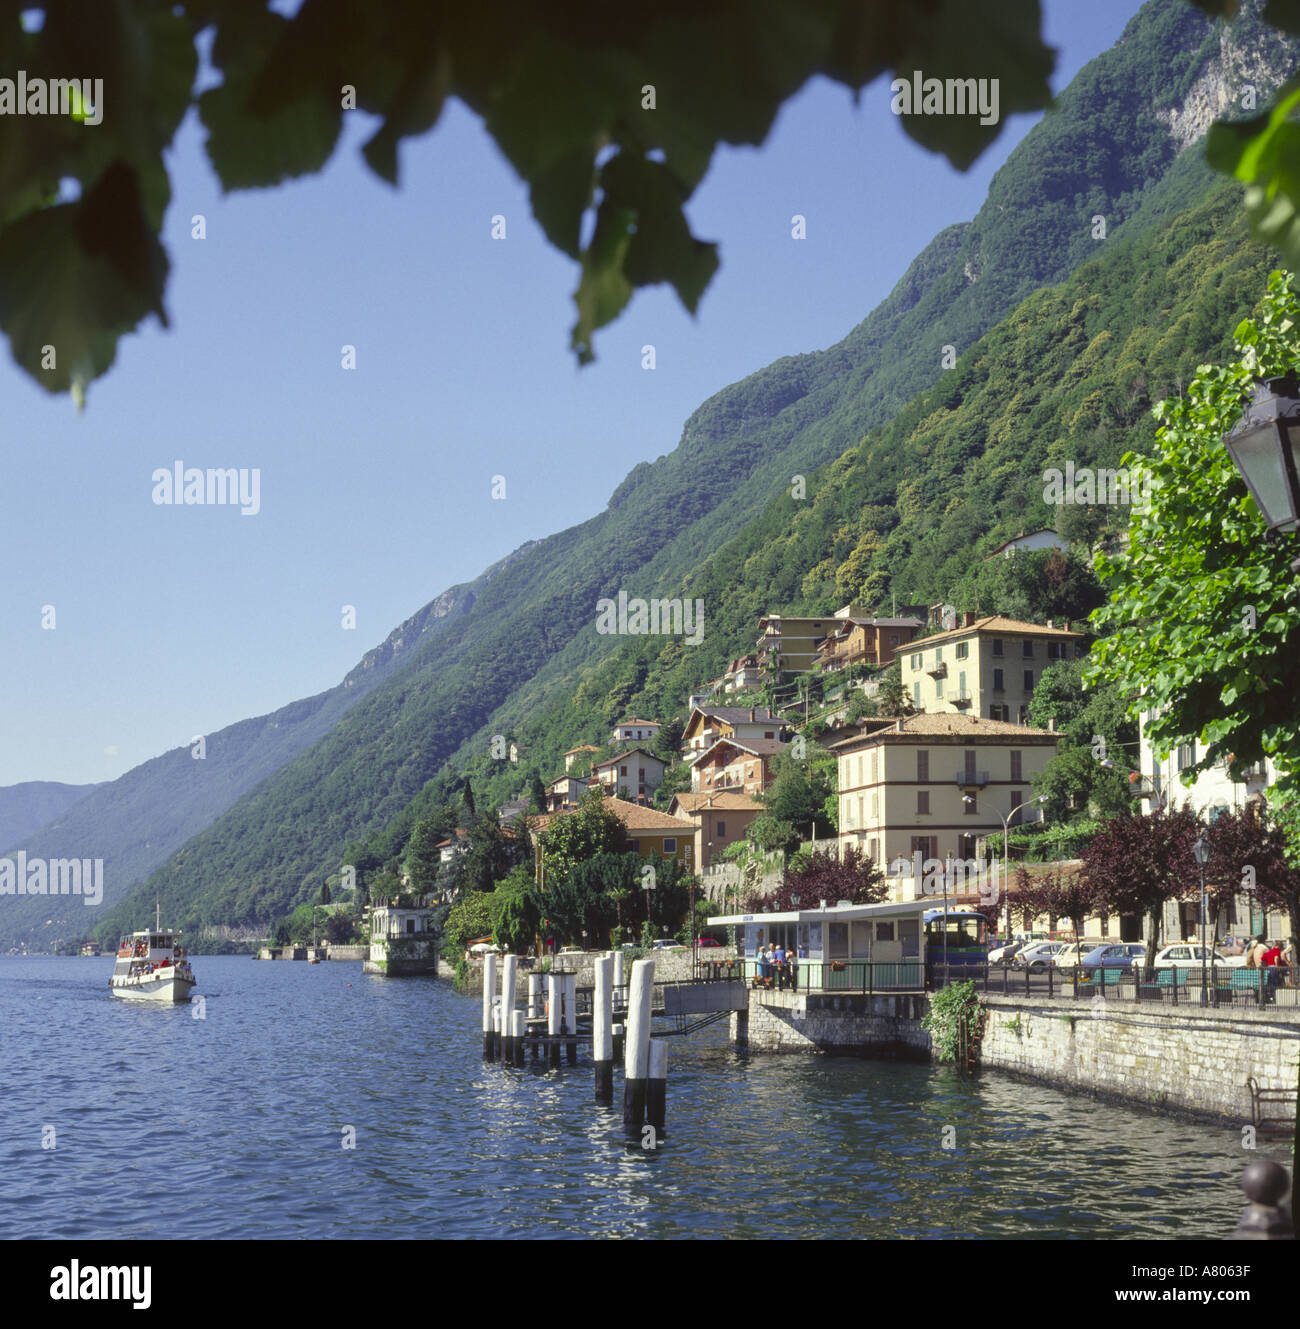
pixel 635 731
pixel 634 774
pixel 721 817
pixel 865 641
pixel 707 724
pixel 732 764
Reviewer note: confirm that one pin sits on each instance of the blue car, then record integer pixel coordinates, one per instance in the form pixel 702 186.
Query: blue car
pixel 1114 955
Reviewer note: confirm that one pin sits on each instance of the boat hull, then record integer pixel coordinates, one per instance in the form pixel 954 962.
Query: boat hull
pixel 151 988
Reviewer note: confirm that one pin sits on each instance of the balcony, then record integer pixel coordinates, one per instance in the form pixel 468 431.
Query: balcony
pixel 971 779
pixel 961 701
pixel 938 670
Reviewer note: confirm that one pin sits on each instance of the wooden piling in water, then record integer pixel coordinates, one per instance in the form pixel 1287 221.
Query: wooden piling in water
pixel 534 996
pixel 618 1032
pixel 602 1028
pixel 553 1025
pixel 518 1023
pixel 620 997
pixel 636 1058
pixel 656 1089
pixel 489 996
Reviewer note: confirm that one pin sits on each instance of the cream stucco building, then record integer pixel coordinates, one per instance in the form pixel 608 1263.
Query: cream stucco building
pixel 935 785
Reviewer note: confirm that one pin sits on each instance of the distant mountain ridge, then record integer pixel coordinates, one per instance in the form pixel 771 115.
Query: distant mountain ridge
pixel 526 640
pixel 27 807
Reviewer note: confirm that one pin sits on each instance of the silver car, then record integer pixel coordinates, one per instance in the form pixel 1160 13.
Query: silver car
pixel 1037 956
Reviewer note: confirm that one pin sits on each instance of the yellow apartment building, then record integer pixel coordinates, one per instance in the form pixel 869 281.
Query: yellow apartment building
pixel 989 667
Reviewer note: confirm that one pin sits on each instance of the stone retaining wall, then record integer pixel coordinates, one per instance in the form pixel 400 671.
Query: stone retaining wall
pixel 1183 1057
pixel 1178 1057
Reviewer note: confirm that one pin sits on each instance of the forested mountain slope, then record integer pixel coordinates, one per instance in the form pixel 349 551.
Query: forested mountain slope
pixel 528 639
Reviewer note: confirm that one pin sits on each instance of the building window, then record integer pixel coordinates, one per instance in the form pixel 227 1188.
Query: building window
pixel 916 662
pixel 970 765
pixel 961 684
pixel 924 844
pixel 1186 756
pixel 966 845
pixel 997 646
pixel 923 800
pixel 963 649
pixel 1015 766
pixel 938 687
pixel 670 844
pixel 722 830
pixel 1027 649
pixel 998 682
pixel 916 693
pixel 1017 798
pixel 922 764
pixel 1029 680
pixel 1056 650
pixel 636 846
pixel 873 847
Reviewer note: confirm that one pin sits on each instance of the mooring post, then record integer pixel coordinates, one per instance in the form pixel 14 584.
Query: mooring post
pixel 636 1059
pixel 534 996
pixel 571 1015
pixel 602 1028
pixel 489 995
pixel 656 1088
pixel 620 997
pixel 517 1026
pixel 509 979
pixel 553 1025
pixel 618 1042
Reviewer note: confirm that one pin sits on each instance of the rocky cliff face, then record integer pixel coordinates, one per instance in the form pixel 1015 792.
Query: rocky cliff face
pixel 1237 80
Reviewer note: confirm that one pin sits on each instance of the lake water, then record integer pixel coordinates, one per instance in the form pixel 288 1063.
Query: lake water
pixel 235 1123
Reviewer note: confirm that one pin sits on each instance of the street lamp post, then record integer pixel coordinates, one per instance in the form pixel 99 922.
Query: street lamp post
pixel 1265 447
pixel 1201 852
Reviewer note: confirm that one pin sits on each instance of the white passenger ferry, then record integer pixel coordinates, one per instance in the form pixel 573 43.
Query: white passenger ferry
pixel 152 966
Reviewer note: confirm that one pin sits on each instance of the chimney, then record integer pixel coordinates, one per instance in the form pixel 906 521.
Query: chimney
pixel 898 725
pixel 1051 622
pixel 1051 725
pixel 751 715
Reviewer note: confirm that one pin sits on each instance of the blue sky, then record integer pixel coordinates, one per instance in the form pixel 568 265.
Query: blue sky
pixel 376 483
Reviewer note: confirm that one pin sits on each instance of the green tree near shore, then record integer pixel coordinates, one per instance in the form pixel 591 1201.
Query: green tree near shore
pixel 1204 610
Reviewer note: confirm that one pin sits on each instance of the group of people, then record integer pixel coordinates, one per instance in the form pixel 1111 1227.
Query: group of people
pixel 1261 954
pixel 778 965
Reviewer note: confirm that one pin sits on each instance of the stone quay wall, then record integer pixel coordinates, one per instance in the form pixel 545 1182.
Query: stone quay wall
pixel 1182 1058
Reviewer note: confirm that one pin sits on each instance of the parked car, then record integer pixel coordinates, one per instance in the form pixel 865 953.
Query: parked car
pixel 1036 957
pixel 1187 955
pixel 705 942
pixel 1072 953
pixel 1114 955
pixel 1006 951
pixel 668 944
